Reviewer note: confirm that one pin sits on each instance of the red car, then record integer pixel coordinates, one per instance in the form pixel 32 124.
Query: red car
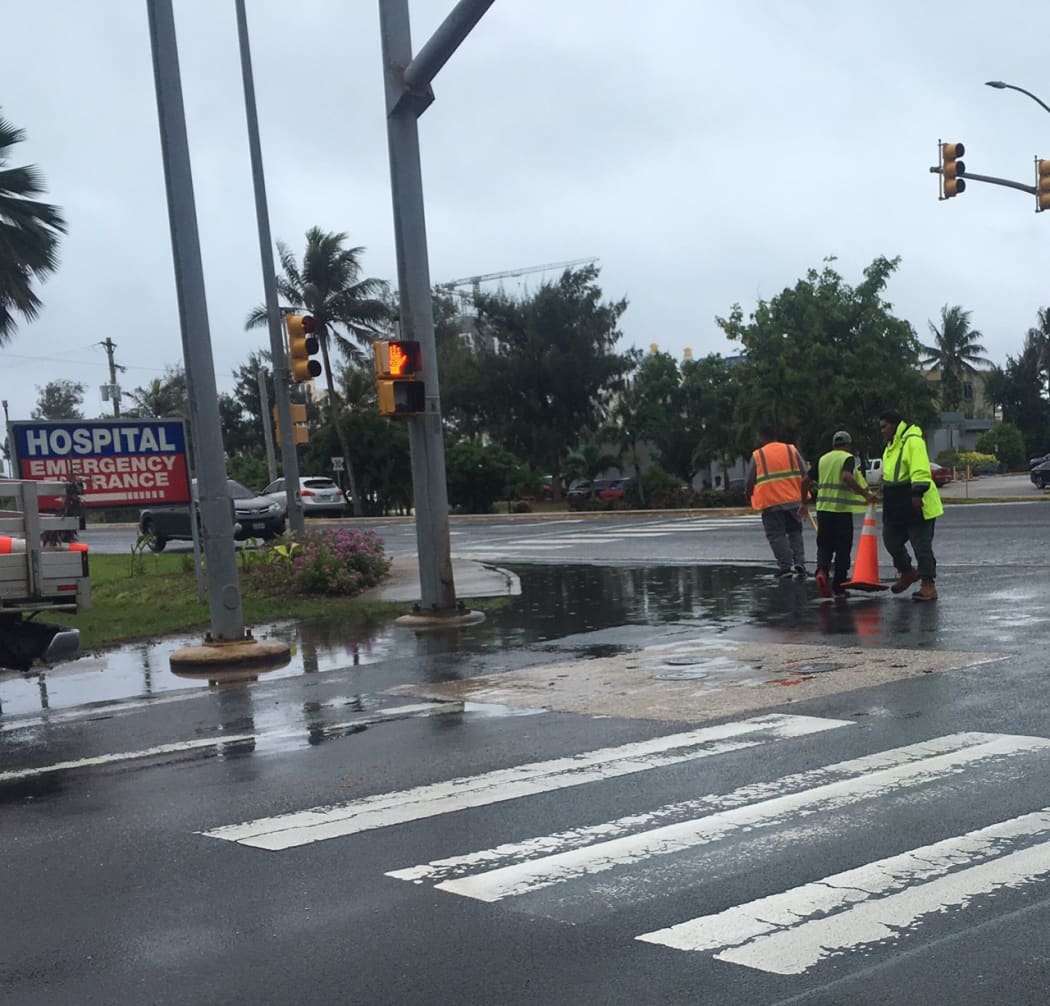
pixel 941 475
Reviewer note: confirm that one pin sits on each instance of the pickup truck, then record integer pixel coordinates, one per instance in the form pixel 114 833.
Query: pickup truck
pixel 43 569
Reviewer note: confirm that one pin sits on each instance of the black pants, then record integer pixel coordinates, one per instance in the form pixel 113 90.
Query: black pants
pixel 896 535
pixel 834 542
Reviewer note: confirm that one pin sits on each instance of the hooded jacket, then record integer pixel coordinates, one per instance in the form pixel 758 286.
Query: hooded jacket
pixel 906 475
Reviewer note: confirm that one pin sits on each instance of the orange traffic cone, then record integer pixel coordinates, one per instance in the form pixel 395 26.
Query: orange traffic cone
pixel 866 566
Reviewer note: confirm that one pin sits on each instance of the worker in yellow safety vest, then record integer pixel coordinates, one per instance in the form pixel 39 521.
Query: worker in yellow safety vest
pixel 841 492
pixel 910 505
pixel 777 483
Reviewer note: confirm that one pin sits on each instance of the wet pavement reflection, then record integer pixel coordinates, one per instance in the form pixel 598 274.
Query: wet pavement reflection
pixel 589 610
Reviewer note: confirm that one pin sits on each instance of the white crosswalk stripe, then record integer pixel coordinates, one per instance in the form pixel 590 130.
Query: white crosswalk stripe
pixel 821 792
pixel 320 823
pixel 788 931
pixel 558 539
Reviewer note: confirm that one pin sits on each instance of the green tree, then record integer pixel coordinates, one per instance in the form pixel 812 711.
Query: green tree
pixel 547 368
pixel 350 312
pixel 29 233
pixel 1004 440
pixel 163 396
pixel 60 399
pixel 710 389
pixel 1019 389
pixel 588 461
pixel 955 350
pixel 480 474
pixel 824 355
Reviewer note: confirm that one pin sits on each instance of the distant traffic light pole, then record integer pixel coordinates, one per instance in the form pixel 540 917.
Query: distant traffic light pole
pixel 289 458
pixel 408 95
pixel 954 175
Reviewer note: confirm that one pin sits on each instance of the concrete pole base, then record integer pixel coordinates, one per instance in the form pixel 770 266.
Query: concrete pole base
pixel 242 654
pixel 423 621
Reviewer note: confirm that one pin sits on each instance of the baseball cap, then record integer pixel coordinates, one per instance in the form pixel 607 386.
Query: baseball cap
pixel 842 437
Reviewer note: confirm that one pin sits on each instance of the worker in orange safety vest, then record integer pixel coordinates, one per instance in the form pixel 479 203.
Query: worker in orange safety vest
pixel 778 485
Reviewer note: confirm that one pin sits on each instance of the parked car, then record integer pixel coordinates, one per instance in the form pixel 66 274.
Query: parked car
pixel 1032 462
pixel 941 475
pixel 584 490
pixel 873 471
pixel 254 516
pixel 616 489
pixel 320 495
pixel 1040 475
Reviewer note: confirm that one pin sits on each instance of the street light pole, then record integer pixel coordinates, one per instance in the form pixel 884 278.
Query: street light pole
pixel 1000 85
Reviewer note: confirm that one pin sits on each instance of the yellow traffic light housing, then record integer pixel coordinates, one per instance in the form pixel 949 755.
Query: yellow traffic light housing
pixel 399 371
pixel 952 170
pixel 1042 185
pixel 302 344
pixel 300 431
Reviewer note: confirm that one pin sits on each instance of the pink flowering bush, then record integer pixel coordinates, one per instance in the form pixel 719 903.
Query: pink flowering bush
pixel 334 561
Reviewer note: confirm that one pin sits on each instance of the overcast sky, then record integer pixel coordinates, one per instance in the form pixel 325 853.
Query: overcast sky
pixel 705 153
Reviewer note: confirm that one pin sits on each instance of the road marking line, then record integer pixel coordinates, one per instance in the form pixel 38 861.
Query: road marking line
pixel 178 747
pixel 160 749
pixel 790 932
pixel 869 778
pixel 385 809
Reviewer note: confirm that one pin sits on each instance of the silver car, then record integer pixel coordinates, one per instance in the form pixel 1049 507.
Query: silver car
pixel 320 495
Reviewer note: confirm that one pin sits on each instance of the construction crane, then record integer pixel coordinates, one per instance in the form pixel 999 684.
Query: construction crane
pixel 476 281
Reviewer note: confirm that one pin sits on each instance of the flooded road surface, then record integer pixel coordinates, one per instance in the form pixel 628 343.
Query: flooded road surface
pixel 586 610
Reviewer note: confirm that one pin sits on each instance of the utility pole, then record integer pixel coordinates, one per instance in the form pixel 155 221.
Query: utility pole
pixel 408 95
pixel 114 389
pixel 224 595
pixel 281 372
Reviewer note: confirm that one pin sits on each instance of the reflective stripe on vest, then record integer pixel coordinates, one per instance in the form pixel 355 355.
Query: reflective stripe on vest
pixel 778 469
pixel 833 495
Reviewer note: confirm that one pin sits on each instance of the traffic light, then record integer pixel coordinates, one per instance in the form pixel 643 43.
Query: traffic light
pixel 1042 186
pixel 302 344
pixel 399 372
pixel 952 170
pixel 300 431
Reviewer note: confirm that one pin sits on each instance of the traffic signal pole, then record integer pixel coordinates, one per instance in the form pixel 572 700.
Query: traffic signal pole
pixel 408 95
pixel 224 596
pixel 281 377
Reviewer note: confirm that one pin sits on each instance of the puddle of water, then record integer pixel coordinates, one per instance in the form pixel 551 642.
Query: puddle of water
pixel 586 610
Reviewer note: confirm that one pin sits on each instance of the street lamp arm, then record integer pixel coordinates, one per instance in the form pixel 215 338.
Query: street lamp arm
pixel 1000 85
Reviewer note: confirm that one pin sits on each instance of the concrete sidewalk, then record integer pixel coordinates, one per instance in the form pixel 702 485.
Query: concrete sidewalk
pixel 472 579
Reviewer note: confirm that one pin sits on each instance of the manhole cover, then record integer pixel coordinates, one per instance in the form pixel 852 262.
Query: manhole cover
pixel 817 668
pixel 683 675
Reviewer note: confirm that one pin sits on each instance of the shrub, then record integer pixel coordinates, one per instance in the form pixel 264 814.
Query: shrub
pixel 979 464
pixel 334 561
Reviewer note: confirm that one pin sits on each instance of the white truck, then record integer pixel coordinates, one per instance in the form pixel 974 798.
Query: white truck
pixel 43 569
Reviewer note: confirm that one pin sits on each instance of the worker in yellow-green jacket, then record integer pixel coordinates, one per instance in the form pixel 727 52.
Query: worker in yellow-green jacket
pixel 910 505
pixel 841 492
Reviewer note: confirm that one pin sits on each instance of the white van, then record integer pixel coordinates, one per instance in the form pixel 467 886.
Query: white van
pixel 873 471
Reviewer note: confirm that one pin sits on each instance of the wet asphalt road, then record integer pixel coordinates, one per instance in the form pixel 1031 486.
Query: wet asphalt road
pixel 126 888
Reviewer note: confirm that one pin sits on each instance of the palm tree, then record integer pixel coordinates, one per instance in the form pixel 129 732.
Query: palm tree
pixel 1040 337
pixel 28 236
pixel 349 311
pixel 955 351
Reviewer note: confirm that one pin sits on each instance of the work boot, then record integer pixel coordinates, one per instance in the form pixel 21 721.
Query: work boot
pixel 822 584
pixel 926 592
pixel 905 580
